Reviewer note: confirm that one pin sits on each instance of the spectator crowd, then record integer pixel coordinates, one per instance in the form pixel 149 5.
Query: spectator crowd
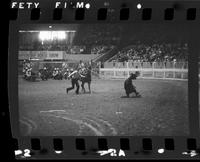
pixel 153 53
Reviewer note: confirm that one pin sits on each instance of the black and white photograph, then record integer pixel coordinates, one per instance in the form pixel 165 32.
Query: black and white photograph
pixel 103 80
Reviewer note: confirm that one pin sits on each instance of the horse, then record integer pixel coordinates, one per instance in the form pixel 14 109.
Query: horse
pixel 85 77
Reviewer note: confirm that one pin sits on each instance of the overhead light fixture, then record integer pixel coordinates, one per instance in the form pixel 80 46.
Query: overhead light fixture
pixel 51 35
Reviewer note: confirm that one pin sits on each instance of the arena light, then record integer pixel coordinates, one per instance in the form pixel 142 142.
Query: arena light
pixel 70 31
pixel 34 59
pixel 44 35
pixel 36 31
pixel 60 35
pixel 51 35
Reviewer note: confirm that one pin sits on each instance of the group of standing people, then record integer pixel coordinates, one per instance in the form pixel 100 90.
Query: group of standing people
pixel 81 73
pixel 57 74
pixel 28 73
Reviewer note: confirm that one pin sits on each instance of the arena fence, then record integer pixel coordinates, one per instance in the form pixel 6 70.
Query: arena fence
pixel 156 70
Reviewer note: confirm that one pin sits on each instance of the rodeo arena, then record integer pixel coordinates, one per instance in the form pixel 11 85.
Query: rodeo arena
pixel 103 80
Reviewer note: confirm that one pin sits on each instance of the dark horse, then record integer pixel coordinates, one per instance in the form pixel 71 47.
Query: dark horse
pixel 86 78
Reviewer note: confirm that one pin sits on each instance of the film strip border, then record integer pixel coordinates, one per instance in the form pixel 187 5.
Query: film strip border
pixel 107 11
pixel 107 148
pixel 113 147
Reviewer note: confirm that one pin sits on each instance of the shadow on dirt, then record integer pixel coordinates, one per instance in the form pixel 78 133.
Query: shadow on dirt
pixel 131 97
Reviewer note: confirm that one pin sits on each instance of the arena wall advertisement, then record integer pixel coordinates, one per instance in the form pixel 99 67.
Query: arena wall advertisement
pixel 41 55
pixel 54 55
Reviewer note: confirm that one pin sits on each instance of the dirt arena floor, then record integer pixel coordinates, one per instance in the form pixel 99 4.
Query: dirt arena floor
pixel 46 110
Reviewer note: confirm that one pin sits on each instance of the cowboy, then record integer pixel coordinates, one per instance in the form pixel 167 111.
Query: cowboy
pixel 75 75
pixel 81 64
pixel 66 73
pixel 44 74
pixel 128 85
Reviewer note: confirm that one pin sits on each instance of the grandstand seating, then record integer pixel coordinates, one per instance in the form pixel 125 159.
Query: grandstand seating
pixel 151 53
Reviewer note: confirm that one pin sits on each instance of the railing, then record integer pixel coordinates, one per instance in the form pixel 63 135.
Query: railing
pixel 177 71
pixel 105 56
